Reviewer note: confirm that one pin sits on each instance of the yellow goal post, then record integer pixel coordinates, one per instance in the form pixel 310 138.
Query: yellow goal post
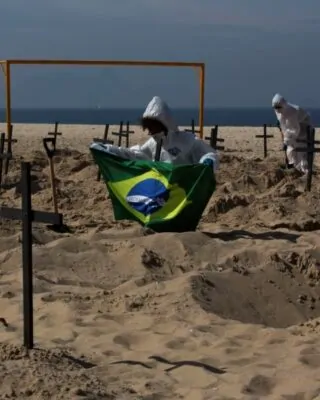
pixel 6 68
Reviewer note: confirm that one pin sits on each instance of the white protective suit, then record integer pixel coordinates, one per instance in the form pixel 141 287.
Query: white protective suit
pixel 294 122
pixel 178 147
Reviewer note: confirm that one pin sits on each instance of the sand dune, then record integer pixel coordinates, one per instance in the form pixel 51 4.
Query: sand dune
pixel 231 311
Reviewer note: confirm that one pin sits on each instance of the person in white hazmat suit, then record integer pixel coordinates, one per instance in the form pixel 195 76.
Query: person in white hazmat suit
pixel 294 124
pixel 178 147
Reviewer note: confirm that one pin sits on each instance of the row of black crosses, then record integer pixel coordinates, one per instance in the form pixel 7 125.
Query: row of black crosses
pixel 125 132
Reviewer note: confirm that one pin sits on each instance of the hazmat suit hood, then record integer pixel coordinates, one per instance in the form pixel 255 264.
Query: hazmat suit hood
pixel 160 111
pixel 279 100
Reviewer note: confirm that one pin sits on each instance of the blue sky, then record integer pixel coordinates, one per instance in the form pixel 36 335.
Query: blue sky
pixel 252 49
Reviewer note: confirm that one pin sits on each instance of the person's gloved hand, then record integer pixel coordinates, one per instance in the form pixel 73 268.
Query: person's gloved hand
pixel 209 161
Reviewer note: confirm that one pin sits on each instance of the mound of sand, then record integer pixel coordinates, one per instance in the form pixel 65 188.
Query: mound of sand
pixel 231 311
pixel 47 373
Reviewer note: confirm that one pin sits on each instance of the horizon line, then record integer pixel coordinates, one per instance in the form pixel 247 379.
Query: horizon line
pixel 137 108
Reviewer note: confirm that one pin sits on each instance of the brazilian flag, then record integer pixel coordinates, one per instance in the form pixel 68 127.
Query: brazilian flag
pixel 158 195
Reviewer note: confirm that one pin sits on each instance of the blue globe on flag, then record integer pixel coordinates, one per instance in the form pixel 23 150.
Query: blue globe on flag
pixel 148 196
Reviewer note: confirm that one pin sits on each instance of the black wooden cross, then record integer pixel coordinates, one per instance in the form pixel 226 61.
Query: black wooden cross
pixel 128 132
pixel 104 140
pixel 310 149
pixel 2 139
pixel 9 140
pixel 213 138
pixel 106 131
pixel 123 133
pixel 27 215
pixel 193 128
pixel 3 155
pixel 55 133
pixel 265 138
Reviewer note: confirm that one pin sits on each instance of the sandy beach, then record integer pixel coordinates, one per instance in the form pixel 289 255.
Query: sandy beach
pixel 231 311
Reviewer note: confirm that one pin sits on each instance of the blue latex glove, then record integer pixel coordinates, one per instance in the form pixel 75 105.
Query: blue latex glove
pixel 208 161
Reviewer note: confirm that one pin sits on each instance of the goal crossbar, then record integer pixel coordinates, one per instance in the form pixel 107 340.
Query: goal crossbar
pixel 6 68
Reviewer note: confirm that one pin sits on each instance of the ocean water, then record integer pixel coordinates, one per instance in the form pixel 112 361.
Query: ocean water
pixel 99 116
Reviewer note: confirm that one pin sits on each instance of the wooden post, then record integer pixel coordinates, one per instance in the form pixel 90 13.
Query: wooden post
pixel 10 141
pixel 106 131
pixel 265 138
pixel 50 155
pixel 123 134
pixel 55 133
pixel 3 155
pixel 310 149
pixel 193 128
pixel 128 133
pixel 2 141
pixel 286 162
pixel 158 150
pixel 213 138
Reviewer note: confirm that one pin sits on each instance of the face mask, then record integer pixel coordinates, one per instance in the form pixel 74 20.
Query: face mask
pixel 158 136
